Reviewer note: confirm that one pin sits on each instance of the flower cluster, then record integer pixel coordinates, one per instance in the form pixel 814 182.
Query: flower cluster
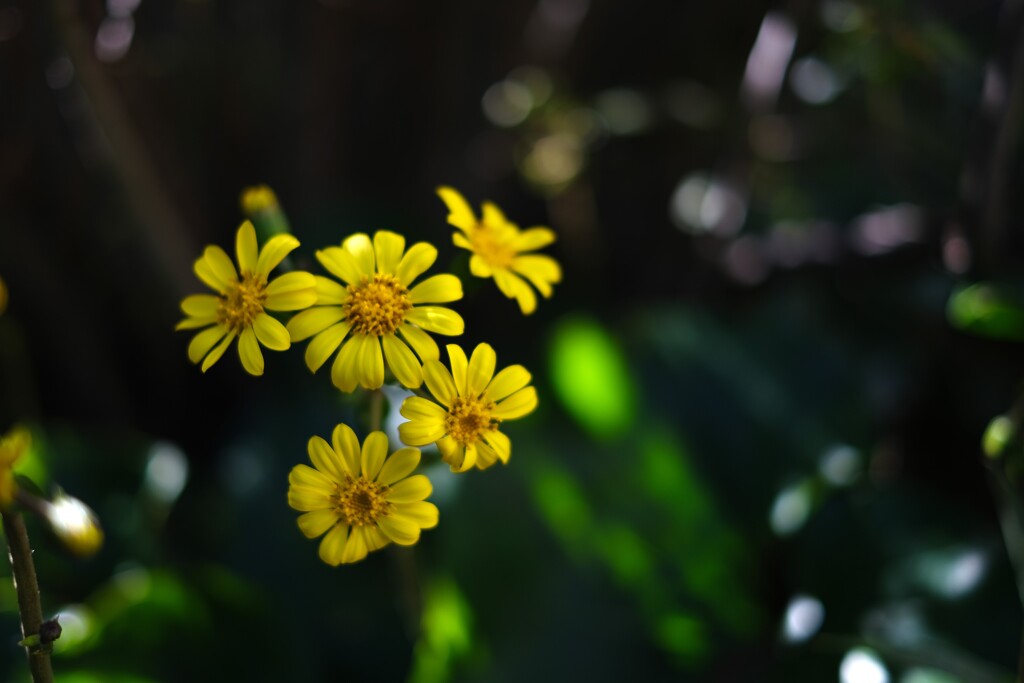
pixel 376 315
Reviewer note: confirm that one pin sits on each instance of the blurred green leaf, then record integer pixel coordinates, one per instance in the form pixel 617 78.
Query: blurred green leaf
pixel 985 310
pixel 447 633
pixel 591 377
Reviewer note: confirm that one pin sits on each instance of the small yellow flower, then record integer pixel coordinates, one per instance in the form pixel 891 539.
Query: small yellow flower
pixel 499 250
pixel 12 446
pixel 361 498
pixel 257 198
pixel 472 402
pixel 239 307
pixel 378 311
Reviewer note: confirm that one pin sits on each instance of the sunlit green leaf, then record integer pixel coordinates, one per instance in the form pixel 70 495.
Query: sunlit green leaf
pixel 985 310
pixel 592 378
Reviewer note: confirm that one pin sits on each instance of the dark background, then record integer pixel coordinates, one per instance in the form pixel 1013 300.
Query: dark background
pixel 751 389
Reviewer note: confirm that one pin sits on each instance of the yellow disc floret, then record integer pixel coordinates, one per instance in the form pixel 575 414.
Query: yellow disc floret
pixel 242 302
pixel 362 502
pixel 377 306
pixel 469 419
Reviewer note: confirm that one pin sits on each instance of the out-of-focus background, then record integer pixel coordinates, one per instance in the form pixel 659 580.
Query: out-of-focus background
pixel 764 380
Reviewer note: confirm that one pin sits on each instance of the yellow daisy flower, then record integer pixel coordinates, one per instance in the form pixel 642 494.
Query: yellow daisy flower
pixel 499 250
pixel 361 498
pixel 472 402
pixel 12 446
pixel 378 311
pixel 239 309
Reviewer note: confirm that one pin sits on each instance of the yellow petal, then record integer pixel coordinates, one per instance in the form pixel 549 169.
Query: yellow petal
pixel 420 342
pixel 388 247
pixel 313 321
pixel 296 281
pixel 424 410
pixel 220 264
pixel 452 452
pixel 291 301
pixel 271 333
pixel 515 287
pixel 460 240
pixel 334 548
pixel 485 456
pixel 409 490
pixel 307 498
pixel 402 361
pixel 542 271
pixel 325 459
pixel 324 344
pixel 314 523
pixel 437 319
pixel 438 289
pixel 304 476
pixel 200 306
pixel 249 352
pixel 369 362
pixel 533 238
pixel 421 513
pixel 419 257
pixel 517 405
pixel 501 444
pixel 245 248
pixel 329 292
pixel 400 465
pixel 459 213
pixel 341 264
pixel 217 352
pixel 479 267
pixel 274 251
pixel 468 460
pixel 356 546
pixel 493 215
pixel 511 379
pixel 481 369
pixel 346 443
pixel 400 530
pixel 204 341
pixel 375 450
pixel 420 433
pixel 375 538
pixel 194 323
pixel 361 248
pixel 345 370
pixel 460 367
pixel 440 382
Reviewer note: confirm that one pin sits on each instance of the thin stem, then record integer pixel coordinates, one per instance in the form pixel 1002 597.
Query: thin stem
pixel 27 587
pixel 376 409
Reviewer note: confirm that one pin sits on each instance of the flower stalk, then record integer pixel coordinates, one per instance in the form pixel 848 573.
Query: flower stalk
pixel 29 603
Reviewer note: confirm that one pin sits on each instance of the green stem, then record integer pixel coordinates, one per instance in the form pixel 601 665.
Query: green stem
pixel 376 409
pixel 27 587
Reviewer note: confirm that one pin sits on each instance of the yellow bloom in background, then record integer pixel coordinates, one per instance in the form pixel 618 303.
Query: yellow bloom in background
pixel 12 446
pixel 239 309
pixel 500 250
pixel 472 402
pixel 75 524
pixel 361 498
pixel 257 198
pixel 377 313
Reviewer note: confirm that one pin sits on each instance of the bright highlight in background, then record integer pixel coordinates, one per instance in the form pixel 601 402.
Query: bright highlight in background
pixel 861 665
pixel 804 616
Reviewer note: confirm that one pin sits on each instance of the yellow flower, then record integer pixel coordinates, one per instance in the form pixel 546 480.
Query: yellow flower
pixel 239 307
pixel 12 446
pixel 257 198
pixel 472 402
pixel 499 250
pixel 361 498
pixel 376 309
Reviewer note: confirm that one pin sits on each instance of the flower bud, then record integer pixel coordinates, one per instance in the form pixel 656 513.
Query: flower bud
pixel 75 524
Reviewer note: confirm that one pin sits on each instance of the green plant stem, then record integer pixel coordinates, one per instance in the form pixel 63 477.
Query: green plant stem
pixel 376 409
pixel 27 587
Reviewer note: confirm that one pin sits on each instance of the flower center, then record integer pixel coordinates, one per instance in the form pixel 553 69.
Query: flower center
pixel 243 302
pixel 362 502
pixel 377 306
pixel 469 418
pixel 493 245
